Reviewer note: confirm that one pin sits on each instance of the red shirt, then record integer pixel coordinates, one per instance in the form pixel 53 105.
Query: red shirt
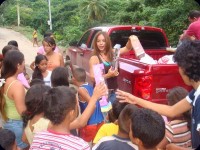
pixel 194 29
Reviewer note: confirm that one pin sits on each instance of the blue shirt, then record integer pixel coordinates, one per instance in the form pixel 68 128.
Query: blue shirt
pixel 194 99
pixel 97 116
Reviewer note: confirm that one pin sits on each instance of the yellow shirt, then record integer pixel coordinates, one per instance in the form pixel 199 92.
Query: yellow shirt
pixel 107 129
pixel 34 34
pixel 40 125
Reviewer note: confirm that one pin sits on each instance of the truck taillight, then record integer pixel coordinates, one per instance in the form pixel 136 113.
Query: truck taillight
pixel 143 87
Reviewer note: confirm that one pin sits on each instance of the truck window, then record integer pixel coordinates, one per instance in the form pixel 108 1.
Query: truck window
pixel 84 40
pixel 148 39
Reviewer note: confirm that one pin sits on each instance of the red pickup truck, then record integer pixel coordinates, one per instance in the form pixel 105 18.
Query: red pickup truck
pixel 151 82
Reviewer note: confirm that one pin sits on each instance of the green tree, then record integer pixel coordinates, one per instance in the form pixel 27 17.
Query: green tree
pixel 96 9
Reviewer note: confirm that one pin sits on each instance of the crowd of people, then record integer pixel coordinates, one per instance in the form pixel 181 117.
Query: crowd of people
pixel 46 112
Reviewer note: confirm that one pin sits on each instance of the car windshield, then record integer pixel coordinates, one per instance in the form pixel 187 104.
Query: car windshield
pixel 148 39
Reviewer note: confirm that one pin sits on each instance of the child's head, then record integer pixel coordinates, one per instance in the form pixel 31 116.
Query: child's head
pixel 13 43
pixel 60 104
pixel 147 128
pixel 34 102
pixel 187 57
pixel 36 81
pixel 193 15
pixel 79 75
pixel 49 44
pixel 7 140
pixel 176 94
pixel 48 34
pixel 40 66
pixel 117 107
pixel 8 48
pixel 124 118
pixel 60 77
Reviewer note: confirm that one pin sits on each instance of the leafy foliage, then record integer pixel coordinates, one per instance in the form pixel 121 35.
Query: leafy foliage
pixel 71 18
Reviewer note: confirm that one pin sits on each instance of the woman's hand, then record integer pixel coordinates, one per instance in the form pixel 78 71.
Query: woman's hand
pixel 112 72
pixel 126 97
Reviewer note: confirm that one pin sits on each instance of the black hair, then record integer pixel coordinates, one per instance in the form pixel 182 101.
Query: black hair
pixel 58 102
pixel 48 34
pixel 60 77
pixel 13 43
pixel 174 96
pixel 8 48
pixel 194 14
pixel 51 42
pixel 187 57
pixel 124 118
pixel 117 107
pixel 37 72
pixel 7 139
pixel 36 81
pixel 80 74
pixel 34 102
pixel 148 126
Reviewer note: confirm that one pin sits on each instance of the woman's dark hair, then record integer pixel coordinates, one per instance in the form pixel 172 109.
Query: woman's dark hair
pixel 58 102
pixel 51 42
pixel 34 102
pixel 10 64
pixel 174 96
pixel 37 73
pixel 187 57
pixel 60 77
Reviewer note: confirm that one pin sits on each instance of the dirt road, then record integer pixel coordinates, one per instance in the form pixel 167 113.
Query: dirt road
pixel 25 46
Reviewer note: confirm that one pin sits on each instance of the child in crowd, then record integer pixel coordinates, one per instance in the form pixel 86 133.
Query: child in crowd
pixel 41 48
pixel 187 57
pixel 59 77
pixel 36 81
pixel 13 43
pixel 147 129
pixel 121 140
pixel 40 71
pixel 108 129
pixel 85 92
pixel 178 129
pixel 33 120
pixel 61 108
pixel 7 140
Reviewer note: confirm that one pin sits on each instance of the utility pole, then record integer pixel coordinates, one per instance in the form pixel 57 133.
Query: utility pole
pixel 18 14
pixel 50 21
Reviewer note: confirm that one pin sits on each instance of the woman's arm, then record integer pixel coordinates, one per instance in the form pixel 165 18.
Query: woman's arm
pixel 169 111
pixel 61 60
pixel 126 48
pixel 32 65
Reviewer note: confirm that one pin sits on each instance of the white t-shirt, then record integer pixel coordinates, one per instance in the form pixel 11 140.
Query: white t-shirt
pixel 47 79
